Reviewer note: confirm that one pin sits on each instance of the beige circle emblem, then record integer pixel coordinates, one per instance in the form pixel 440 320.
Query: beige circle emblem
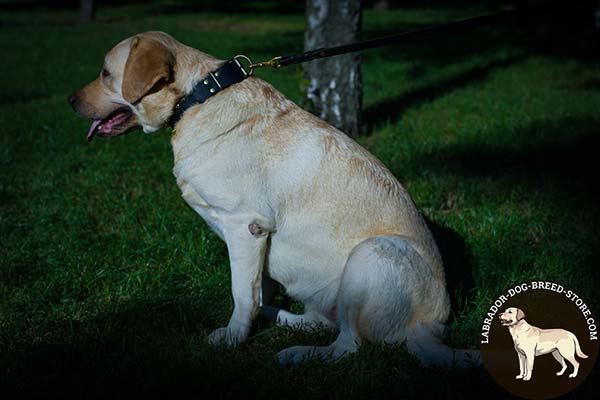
pixel 539 340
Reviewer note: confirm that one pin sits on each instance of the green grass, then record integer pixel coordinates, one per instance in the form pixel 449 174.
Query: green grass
pixel 110 283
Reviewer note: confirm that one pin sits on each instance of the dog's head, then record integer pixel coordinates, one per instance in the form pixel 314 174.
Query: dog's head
pixel 136 87
pixel 511 316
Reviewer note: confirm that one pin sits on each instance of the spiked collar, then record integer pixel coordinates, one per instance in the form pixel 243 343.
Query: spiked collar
pixel 230 72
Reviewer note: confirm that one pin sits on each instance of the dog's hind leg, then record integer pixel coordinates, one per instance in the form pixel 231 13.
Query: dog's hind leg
pixel 566 347
pixel 405 300
pixel 561 361
pixel 311 319
pixel 347 342
pixel 575 363
pixel 383 283
pixel 570 357
pixel 425 342
pixel 356 287
pixel 343 345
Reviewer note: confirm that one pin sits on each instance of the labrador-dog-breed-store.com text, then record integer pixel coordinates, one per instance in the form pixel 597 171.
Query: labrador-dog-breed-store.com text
pixel 295 200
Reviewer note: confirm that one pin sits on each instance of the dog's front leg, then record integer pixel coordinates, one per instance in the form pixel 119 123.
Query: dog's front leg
pixel 521 364
pixel 529 361
pixel 247 246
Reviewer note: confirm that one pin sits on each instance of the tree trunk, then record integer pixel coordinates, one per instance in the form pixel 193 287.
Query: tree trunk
pixel 87 11
pixel 335 88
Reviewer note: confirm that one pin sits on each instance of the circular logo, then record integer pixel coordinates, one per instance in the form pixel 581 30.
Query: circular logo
pixel 539 340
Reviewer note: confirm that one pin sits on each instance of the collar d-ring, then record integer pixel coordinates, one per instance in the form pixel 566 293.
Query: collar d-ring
pixel 248 70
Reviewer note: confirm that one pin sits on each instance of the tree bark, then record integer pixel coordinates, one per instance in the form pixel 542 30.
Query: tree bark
pixel 87 11
pixel 335 84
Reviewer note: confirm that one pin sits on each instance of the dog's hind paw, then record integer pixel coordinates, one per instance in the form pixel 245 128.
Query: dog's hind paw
pixel 295 355
pixel 300 354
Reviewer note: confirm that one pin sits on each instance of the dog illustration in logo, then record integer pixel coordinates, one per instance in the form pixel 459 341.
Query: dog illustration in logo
pixel 531 341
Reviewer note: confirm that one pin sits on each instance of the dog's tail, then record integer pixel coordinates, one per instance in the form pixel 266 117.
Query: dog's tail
pixel 425 343
pixel 580 353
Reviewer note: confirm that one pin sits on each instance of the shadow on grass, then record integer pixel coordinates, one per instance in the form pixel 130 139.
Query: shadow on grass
pixel 554 164
pixel 593 84
pixel 149 349
pixel 551 158
pixel 142 348
pixel 556 32
pixel 549 33
pixel 392 109
pixel 458 265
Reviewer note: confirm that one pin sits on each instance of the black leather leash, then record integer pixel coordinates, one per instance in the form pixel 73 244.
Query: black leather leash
pixel 452 27
pixel 233 71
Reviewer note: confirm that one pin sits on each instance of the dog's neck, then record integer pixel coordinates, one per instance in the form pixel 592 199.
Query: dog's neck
pixel 193 65
pixel 207 84
pixel 519 327
pixel 246 108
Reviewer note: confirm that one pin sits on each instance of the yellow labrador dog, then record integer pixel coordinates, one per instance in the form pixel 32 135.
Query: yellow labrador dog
pixel 293 198
pixel 531 341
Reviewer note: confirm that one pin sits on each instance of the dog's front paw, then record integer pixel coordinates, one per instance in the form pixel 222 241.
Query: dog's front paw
pixel 527 377
pixel 226 336
pixel 519 377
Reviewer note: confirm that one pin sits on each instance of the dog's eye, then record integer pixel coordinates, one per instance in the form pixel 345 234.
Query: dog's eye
pixel 105 73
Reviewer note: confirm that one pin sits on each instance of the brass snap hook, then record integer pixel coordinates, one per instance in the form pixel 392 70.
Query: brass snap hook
pixel 273 63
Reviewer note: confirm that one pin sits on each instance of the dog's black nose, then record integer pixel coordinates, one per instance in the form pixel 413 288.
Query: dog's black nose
pixel 72 99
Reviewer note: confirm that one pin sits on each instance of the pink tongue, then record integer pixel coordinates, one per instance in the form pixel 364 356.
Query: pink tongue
pixel 92 130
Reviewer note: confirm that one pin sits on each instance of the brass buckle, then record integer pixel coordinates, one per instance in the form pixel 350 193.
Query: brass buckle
pixel 250 64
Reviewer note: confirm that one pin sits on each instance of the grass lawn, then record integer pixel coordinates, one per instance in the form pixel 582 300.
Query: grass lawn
pixel 109 283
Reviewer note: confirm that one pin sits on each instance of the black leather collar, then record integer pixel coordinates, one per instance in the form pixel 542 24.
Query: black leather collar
pixel 229 73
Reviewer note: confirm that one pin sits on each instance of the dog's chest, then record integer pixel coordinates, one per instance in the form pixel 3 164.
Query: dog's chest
pixel 221 186
pixel 210 214
pixel 520 339
pixel 518 342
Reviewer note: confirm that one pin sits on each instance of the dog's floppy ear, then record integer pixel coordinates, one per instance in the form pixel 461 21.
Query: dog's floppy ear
pixel 520 314
pixel 148 63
